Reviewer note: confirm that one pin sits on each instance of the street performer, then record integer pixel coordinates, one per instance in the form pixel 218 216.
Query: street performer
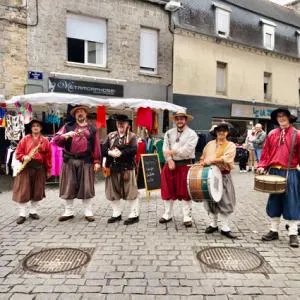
pixel 179 151
pixel 119 150
pixel 276 159
pixel 221 152
pixel 34 152
pixel 81 157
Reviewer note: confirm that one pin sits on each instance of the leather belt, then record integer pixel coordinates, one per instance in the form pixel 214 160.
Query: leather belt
pixel 183 162
pixel 281 167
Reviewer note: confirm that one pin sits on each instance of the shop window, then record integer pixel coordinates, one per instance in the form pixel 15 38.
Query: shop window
pixel 86 40
pixel 267 86
pixel 222 19
pixel 221 80
pixel 268 34
pixel 148 50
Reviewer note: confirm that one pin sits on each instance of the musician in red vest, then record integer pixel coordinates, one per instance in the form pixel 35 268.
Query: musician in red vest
pixel 280 153
pixel 81 155
pixel 34 152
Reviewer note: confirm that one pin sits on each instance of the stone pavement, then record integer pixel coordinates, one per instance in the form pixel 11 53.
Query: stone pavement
pixel 147 260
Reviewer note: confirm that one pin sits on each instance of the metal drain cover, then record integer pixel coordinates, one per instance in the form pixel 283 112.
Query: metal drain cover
pixel 230 259
pixel 56 260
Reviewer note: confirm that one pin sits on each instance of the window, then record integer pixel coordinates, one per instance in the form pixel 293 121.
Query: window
pixel 268 34
pixel 86 40
pixel 267 86
pixel 222 19
pixel 221 80
pixel 298 41
pixel 148 50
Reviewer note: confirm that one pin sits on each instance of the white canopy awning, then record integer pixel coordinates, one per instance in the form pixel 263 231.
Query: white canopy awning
pixel 114 103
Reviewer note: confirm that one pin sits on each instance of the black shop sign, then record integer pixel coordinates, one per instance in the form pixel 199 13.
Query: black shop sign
pixel 85 87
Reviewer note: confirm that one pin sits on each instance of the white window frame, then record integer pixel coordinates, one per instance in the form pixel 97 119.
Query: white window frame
pixel 224 67
pixel 222 11
pixel 104 40
pixel 268 78
pixel 268 28
pixel 298 41
pixel 154 65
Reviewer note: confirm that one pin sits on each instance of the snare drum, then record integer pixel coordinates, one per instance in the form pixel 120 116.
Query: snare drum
pixel 272 184
pixel 205 183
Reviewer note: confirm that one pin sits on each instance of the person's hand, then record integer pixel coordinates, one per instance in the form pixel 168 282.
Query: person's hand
pixel 26 158
pixel 114 153
pixel 171 164
pixel 118 152
pixel 260 170
pixel 69 134
pixel 97 167
pixel 170 152
pixel 48 175
pixel 207 162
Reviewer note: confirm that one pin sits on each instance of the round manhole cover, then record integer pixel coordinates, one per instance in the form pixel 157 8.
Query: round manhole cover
pixel 230 259
pixel 56 260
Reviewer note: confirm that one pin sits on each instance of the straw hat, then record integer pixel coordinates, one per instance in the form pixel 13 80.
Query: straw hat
pixel 183 114
pixel 73 111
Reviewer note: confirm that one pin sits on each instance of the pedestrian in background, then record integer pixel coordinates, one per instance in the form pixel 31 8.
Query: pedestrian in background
pixel 243 156
pixel 258 141
pixel 249 144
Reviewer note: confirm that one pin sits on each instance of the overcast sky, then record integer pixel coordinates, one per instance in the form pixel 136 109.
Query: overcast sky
pixel 281 1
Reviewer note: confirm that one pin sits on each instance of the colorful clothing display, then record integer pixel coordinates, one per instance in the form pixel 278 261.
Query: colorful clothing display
pixel 15 127
pixel 144 117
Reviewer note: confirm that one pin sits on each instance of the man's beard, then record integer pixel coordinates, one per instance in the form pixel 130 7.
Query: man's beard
pixel 81 119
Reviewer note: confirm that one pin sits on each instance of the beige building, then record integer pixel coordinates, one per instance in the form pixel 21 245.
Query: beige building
pixel 236 61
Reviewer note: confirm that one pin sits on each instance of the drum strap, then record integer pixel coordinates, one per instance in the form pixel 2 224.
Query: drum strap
pixel 291 155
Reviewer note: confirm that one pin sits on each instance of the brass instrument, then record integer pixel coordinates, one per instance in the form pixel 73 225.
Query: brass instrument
pixel 31 154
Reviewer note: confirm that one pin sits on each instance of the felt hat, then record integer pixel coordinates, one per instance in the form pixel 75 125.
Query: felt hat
pixel 284 110
pixel 221 126
pixel 121 118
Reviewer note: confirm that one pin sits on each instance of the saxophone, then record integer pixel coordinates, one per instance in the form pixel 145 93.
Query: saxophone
pixel 31 154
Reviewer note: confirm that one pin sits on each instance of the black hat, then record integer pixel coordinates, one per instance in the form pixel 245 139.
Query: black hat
pixel 221 126
pixel 121 118
pixel 35 121
pixel 284 110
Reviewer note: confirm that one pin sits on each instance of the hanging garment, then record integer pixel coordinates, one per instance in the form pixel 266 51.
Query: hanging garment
pixel 101 117
pixel 144 117
pixel 141 149
pixel 15 128
pixel 154 130
pixel 57 159
pixel 166 121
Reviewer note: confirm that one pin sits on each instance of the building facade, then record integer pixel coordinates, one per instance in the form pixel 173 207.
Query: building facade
pixel 13 46
pixel 114 48
pixel 235 61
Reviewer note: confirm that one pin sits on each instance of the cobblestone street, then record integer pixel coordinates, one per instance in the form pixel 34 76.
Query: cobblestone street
pixel 147 260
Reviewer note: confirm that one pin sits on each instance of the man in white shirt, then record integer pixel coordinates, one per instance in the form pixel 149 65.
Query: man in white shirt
pixel 179 151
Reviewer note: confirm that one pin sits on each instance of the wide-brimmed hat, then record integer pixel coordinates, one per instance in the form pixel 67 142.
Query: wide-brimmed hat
pixel 221 126
pixel 284 110
pixel 121 118
pixel 73 110
pixel 33 121
pixel 212 128
pixel 183 114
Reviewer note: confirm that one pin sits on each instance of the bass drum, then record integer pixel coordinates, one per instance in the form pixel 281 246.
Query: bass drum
pixel 205 183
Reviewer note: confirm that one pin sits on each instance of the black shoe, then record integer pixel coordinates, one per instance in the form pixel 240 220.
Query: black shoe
pixel 130 221
pixel 163 220
pixel 229 234
pixel 114 219
pixel 188 224
pixel 34 216
pixel 270 236
pixel 211 229
pixel 294 241
pixel 65 218
pixel 21 220
pixel 90 218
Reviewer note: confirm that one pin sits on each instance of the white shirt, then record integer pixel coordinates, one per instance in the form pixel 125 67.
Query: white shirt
pixel 185 144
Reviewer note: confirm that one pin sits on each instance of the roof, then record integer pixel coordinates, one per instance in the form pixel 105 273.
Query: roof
pixel 269 9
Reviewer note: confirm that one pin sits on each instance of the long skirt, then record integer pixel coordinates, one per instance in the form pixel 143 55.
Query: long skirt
pixel 227 203
pixel 29 185
pixel 117 188
pixel 286 204
pixel 77 180
pixel 174 183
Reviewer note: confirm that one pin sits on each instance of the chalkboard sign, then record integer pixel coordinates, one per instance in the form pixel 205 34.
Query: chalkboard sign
pixel 149 172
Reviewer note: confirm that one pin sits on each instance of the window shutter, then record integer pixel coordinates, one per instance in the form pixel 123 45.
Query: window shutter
pixel 148 49
pixel 86 28
pixel 223 21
